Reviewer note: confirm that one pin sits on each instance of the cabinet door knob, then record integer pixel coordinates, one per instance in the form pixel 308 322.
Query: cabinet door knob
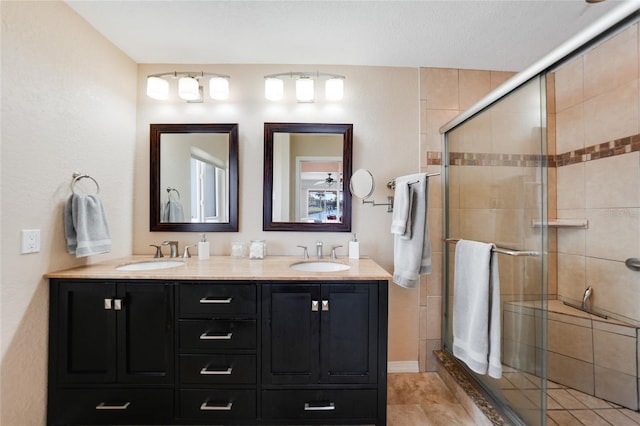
pixel 314 306
pixel 325 305
pixel 117 304
pixel 108 304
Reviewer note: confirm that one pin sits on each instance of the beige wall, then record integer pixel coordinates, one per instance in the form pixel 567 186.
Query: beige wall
pixel 381 102
pixel 598 102
pixel 68 104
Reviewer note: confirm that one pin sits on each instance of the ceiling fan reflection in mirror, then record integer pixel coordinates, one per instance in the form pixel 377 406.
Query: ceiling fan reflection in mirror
pixel 329 180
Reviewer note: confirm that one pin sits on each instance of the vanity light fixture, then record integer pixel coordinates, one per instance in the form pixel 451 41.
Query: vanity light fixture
pixel 189 85
pixel 305 85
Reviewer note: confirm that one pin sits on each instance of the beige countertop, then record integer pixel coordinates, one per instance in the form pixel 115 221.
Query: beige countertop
pixel 227 268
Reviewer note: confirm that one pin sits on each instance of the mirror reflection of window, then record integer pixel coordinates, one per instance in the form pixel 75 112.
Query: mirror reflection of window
pixel 323 206
pixel 208 197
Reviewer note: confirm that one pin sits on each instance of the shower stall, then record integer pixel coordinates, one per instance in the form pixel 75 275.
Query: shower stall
pixel 548 169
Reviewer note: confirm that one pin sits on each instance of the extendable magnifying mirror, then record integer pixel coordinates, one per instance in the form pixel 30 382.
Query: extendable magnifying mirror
pixel 362 184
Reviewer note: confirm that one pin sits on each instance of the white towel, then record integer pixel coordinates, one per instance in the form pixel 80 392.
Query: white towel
pixel 173 212
pixel 85 226
pixel 476 307
pixel 402 207
pixel 412 256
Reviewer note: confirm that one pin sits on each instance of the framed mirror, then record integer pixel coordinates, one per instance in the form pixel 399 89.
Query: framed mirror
pixel 307 169
pixel 194 177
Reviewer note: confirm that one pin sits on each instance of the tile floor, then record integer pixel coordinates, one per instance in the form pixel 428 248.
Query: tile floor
pixel 423 399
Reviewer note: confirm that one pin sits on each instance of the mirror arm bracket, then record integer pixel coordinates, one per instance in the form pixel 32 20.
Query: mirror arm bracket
pixel 389 203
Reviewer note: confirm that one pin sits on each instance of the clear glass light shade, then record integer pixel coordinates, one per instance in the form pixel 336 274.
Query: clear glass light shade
pixel 219 88
pixel 334 89
pixel 188 88
pixel 304 90
pixel 157 88
pixel 273 89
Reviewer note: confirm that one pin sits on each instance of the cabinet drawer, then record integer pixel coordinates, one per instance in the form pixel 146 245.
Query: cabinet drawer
pixel 319 404
pixel 112 406
pixel 217 334
pixel 217 299
pixel 218 404
pixel 218 368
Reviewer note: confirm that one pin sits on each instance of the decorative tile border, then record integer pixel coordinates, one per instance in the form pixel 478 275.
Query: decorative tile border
pixel 603 150
pixel 607 149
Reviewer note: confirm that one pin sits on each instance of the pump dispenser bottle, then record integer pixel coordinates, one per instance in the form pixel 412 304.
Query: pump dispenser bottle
pixel 203 248
pixel 354 248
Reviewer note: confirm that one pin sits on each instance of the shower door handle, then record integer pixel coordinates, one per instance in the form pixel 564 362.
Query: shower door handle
pixel 633 263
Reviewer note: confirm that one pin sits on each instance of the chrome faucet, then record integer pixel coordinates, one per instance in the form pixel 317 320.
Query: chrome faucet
pixel 173 245
pixel 305 253
pixel 334 256
pixel 319 249
pixel 158 250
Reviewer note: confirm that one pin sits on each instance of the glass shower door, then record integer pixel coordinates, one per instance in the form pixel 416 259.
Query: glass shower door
pixel 496 192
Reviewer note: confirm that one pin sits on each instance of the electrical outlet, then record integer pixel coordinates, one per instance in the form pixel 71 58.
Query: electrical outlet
pixel 30 241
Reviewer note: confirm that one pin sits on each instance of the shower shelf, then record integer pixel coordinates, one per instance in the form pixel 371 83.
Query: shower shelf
pixel 561 223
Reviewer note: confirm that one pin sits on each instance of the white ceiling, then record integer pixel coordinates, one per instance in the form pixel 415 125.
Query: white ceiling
pixel 479 34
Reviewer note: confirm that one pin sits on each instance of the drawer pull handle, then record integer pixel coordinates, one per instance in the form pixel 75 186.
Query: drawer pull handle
pixel 206 407
pixel 213 300
pixel 107 406
pixel 314 406
pixel 226 372
pixel 207 336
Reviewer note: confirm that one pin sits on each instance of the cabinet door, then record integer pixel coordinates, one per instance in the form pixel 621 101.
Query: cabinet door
pixel 290 333
pixel 87 332
pixel 145 333
pixel 349 335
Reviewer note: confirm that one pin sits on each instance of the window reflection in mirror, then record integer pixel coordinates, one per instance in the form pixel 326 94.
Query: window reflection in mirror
pixel 305 165
pixel 194 177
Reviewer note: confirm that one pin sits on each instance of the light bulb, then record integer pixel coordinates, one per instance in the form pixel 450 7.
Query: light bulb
pixel 188 88
pixel 304 89
pixel 334 89
pixel 219 88
pixel 157 88
pixel 273 89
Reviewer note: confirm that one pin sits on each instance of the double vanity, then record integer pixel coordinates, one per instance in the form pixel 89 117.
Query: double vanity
pixel 220 341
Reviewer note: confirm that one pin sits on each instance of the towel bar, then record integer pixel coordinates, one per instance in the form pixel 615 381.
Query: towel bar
pixel 500 250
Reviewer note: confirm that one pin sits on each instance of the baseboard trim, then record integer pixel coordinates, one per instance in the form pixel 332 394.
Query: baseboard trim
pixel 403 367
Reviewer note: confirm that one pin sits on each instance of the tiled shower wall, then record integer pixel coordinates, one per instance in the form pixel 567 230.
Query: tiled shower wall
pixel 597 122
pixel 444 93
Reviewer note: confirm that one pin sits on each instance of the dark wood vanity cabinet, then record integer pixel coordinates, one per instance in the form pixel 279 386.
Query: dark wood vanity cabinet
pixel 110 352
pixel 321 355
pixel 217 352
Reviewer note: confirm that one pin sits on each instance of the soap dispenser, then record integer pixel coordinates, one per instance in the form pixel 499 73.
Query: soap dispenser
pixel 354 248
pixel 203 248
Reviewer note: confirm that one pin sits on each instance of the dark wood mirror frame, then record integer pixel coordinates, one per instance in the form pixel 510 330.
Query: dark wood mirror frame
pixel 346 130
pixel 154 209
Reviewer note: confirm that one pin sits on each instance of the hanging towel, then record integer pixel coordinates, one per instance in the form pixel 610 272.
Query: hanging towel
pixel 476 307
pixel 412 254
pixel 173 212
pixel 402 207
pixel 85 226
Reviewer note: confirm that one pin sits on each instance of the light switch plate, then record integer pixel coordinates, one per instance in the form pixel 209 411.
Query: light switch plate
pixel 30 241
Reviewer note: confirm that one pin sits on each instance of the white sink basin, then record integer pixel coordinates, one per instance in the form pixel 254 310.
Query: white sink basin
pixel 149 265
pixel 319 266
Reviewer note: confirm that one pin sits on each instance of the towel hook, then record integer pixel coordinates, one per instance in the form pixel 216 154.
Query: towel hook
pixel 79 176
